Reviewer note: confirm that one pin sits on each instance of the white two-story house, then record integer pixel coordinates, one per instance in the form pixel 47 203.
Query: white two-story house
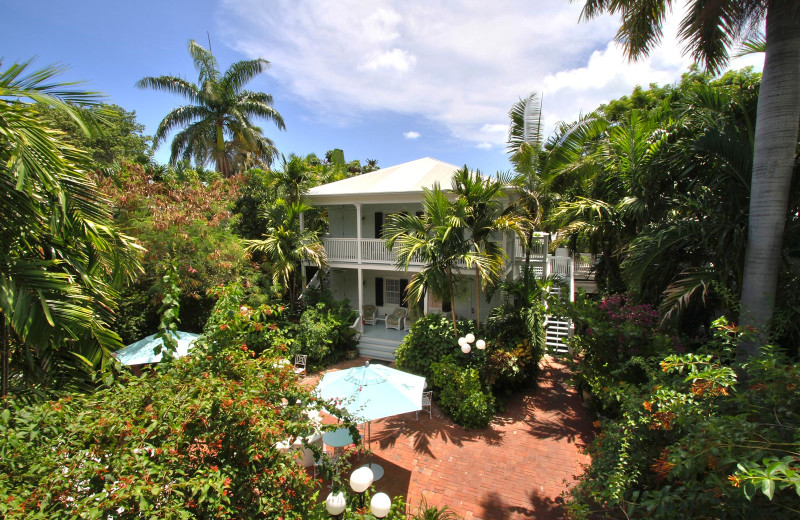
pixel 364 271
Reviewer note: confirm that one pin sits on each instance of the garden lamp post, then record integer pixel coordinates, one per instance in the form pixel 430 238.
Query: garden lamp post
pixel 380 505
pixel 466 341
pixel 360 480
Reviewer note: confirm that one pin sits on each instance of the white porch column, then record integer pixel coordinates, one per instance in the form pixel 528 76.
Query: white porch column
pixel 302 221
pixel 361 299
pixel 572 279
pixel 358 235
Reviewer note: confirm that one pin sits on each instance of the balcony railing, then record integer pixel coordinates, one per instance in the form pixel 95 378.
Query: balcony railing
pixel 538 248
pixel 584 266
pixel 373 251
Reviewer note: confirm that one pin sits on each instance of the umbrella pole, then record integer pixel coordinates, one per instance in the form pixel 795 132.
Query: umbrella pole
pixel 377 470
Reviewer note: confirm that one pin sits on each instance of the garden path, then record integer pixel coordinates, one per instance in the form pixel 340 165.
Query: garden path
pixel 517 468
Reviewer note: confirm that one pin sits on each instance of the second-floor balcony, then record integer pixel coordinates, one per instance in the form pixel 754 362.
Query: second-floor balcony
pixel 373 251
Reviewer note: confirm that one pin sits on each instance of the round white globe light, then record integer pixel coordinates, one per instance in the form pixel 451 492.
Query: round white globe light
pixel 462 342
pixel 380 505
pixel 480 344
pixel 335 504
pixel 470 337
pixel 361 479
pixel 465 348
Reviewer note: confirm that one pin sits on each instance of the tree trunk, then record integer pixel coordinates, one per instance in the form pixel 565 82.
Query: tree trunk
pixel 449 273
pixel 773 161
pixel 478 298
pixel 219 152
pixel 453 312
pixel 5 353
pixel 528 245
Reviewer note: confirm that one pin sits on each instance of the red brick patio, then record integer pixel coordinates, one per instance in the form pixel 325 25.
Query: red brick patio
pixel 516 468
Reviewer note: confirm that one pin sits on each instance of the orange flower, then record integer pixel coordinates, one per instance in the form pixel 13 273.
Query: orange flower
pixel 648 406
pixel 735 481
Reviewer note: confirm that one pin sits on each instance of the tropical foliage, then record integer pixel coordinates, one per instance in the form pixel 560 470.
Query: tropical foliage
pixel 709 30
pixel 285 247
pixel 663 200
pixel 180 217
pixel 217 127
pixel 437 239
pixel 468 386
pixel 60 255
pixel 114 134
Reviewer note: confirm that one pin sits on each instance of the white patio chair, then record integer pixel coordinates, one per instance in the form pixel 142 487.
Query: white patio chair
pixel 395 319
pixel 368 313
pixel 300 364
pixel 427 399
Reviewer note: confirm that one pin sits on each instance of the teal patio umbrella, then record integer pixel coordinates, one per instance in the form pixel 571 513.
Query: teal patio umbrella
pixel 373 392
pixel 142 352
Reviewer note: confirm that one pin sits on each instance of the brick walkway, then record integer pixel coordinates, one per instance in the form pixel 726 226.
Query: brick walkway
pixel 516 468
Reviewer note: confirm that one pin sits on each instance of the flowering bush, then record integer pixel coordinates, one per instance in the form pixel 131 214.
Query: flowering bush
pixel 696 442
pixel 196 439
pixel 618 345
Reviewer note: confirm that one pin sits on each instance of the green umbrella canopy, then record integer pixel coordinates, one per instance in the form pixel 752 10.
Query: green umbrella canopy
pixel 142 351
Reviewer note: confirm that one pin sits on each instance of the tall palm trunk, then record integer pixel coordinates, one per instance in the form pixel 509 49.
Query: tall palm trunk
pixel 773 163
pixel 219 151
pixel 449 272
pixel 4 372
pixel 478 298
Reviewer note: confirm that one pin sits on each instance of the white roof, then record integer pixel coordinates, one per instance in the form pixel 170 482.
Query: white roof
pixel 401 183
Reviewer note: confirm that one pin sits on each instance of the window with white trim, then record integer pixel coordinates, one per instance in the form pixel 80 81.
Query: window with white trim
pixel 392 292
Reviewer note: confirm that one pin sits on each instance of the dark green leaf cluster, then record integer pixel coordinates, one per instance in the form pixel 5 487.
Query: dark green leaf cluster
pixel 114 134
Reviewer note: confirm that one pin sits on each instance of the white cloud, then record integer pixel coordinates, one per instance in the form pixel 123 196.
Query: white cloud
pixel 411 135
pixel 460 64
pixel 396 59
pixel 484 146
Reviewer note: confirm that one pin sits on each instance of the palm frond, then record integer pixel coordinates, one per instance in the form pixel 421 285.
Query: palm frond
pixel 241 72
pixel 173 85
pixel 526 125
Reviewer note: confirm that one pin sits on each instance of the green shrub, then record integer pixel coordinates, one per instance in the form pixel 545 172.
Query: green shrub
pixel 263 329
pixel 517 341
pixel 461 395
pixel 325 333
pixel 430 340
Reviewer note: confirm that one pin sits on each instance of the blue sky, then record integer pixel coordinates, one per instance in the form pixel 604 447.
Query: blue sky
pixel 383 79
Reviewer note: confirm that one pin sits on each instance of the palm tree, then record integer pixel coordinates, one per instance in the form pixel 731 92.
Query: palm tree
pixel 544 170
pixel 218 125
pixel 293 179
pixel 286 247
pixel 484 218
pixel 60 256
pixel 438 240
pixel 710 29
pixel 613 211
pixel 701 178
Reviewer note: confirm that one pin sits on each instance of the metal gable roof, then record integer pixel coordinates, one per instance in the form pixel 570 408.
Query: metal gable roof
pixel 407 179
